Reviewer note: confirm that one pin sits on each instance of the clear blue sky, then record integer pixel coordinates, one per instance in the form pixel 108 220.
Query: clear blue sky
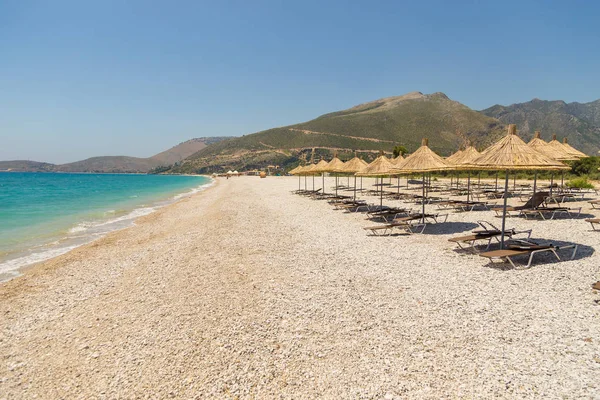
pixel 86 78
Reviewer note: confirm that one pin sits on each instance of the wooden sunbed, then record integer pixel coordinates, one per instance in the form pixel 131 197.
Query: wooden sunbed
pixel 543 212
pixel 595 203
pixel 523 247
pixel 389 214
pixel 534 202
pixel 488 233
pixel 593 222
pixel 411 224
pixel 460 205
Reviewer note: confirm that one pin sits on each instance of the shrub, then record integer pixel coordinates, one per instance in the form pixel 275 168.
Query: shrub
pixel 581 183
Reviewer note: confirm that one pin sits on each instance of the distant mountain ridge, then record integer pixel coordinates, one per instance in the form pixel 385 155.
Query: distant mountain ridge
pixel 368 128
pixel 578 122
pixel 117 164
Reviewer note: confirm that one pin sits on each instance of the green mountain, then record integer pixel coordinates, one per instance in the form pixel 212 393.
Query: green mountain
pixel 369 128
pixel 579 122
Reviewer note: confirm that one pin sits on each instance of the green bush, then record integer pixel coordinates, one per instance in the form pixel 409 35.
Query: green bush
pixel 586 166
pixel 581 183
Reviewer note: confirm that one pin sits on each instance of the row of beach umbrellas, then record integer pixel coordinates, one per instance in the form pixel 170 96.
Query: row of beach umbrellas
pixel 509 154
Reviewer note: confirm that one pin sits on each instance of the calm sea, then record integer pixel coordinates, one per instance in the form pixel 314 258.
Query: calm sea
pixel 43 215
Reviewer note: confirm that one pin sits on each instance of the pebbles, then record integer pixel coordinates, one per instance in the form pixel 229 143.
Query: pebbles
pixel 248 291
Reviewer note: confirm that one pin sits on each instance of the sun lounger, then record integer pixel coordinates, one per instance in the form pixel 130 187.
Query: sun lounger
pixel 389 214
pixel 593 222
pixel 411 224
pixel 460 205
pixel 526 247
pixel 534 202
pixel 544 212
pixel 488 233
pixel 595 203
pixel 386 229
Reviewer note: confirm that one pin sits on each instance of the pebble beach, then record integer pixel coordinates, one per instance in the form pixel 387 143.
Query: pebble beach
pixel 246 290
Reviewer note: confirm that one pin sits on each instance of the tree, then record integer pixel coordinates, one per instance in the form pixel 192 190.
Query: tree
pixel 399 150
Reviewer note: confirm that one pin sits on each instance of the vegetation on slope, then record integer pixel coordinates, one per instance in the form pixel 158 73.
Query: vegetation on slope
pixel 369 127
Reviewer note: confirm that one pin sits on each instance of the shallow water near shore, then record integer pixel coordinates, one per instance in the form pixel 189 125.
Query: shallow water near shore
pixel 43 215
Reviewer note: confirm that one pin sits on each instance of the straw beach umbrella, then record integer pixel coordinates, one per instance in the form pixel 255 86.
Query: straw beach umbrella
pixel 296 171
pixel 379 168
pixel 547 149
pixel 331 166
pixel 572 150
pixel 318 166
pixel 303 172
pixel 544 147
pixel 564 155
pixel 352 167
pixel 465 157
pixel 453 159
pixel 423 160
pixel 309 170
pixel 397 161
pixel 512 154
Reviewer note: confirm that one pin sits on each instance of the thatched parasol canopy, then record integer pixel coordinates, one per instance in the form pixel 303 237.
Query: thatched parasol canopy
pixel 397 160
pixel 545 148
pixel 465 156
pixel 320 165
pixel 454 157
pixel 572 149
pixel 379 167
pixel 353 166
pixel 512 153
pixel 422 160
pixel 332 166
pixel 562 153
pixel 309 170
pixel 296 170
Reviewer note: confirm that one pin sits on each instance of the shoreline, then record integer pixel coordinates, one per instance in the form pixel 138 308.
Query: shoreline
pixel 29 258
pixel 249 290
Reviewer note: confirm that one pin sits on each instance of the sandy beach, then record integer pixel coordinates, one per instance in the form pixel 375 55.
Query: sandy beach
pixel 248 291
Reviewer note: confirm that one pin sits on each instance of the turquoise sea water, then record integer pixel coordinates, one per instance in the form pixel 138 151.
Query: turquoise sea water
pixel 46 214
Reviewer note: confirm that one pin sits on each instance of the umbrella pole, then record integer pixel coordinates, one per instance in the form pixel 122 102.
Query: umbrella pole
pixel 336 184
pixel 496 181
pixel 381 195
pixel 534 182
pixel 479 179
pixel 551 182
pixel 313 183
pixel 361 183
pixel 468 186
pixel 504 211
pixel 299 182
pixel 305 187
pixel 515 183
pixel 562 180
pixel 423 201
pixel 323 183
pixel 398 184
pixel 354 187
